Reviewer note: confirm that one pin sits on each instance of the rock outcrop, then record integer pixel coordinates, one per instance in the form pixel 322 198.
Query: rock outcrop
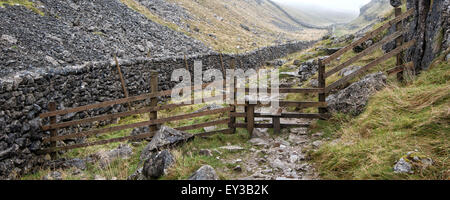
pixel 354 98
pixel 205 172
pixel 165 137
pixel 430 27
pixel 156 166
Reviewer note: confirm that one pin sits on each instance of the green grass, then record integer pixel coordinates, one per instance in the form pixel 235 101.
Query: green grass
pixel 398 119
pixel 26 3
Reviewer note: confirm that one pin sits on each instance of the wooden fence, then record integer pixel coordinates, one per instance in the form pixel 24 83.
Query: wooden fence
pixel 398 51
pixel 154 120
pixel 231 111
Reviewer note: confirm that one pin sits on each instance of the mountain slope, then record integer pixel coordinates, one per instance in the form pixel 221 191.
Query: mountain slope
pixel 231 25
pixel 318 16
pixel 370 14
pixel 69 33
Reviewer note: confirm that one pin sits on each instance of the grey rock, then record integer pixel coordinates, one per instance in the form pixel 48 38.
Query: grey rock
pixel 77 163
pixel 259 142
pixel 137 175
pixel 205 172
pixel 402 166
pixel 245 27
pixel 99 178
pixel 106 157
pixel 396 3
pixel 232 148
pixel 260 133
pixel 139 131
pixel 277 62
pixel 363 46
pixel 314 83
pixel 297 62
pixel 55 175
pixel 164 137
pixel 354 98
pixel 317 144
pixel 330 51
pixel 10 39
pixel 156 166
pixel 205 152
pixel 349 70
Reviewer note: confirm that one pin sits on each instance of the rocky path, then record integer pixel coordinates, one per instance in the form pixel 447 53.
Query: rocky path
pixel 280 157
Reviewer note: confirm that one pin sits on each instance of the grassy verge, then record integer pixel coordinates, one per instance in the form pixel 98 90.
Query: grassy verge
pixel 399 119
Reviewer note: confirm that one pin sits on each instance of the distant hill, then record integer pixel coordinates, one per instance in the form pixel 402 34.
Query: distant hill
pixel 318 16
pixel 232 25
pixel 370 14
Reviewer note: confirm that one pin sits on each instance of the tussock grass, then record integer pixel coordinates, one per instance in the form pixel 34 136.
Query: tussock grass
pixel 398 119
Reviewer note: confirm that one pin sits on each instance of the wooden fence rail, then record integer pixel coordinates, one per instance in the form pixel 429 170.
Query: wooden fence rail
pixel 397 36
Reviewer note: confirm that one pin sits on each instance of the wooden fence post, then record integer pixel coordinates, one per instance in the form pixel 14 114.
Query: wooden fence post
pixel 232 124
pixel 250 117
pixel 221 64
pixel 399 42
pixel 122 80
pixel 53 132
pixel 276 125
pixel 186 62
pixel 153 100
pixel 322 84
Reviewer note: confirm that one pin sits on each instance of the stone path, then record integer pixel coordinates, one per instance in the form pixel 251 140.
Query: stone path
pixel 278 157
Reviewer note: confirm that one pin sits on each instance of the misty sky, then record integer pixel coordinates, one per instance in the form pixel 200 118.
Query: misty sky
pixel 340 5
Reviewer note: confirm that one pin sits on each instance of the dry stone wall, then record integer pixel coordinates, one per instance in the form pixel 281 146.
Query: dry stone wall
pixel 25 94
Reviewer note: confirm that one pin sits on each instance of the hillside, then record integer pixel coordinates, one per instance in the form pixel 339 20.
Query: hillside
pixel 232 25
pixel 370 14
pixel 318 16
pixel 60 33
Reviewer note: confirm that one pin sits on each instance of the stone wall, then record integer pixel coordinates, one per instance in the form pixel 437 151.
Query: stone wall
pixel 24 95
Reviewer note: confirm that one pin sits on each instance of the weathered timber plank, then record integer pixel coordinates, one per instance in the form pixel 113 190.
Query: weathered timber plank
pixel 370 65
pixel 364 53
pixel 400 68
pixel 207 134
pixel 75 146
pixel 135 125
pixel 285 115
pixel 369 35
pixel 291 90
pixel 114 102
pixel 122 114
pixel 202 125
pixel 244 125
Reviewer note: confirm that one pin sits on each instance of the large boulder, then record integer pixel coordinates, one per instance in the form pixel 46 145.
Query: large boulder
pixel 157 165
pixel 164 137
pixel 205 172
pixel 354 98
